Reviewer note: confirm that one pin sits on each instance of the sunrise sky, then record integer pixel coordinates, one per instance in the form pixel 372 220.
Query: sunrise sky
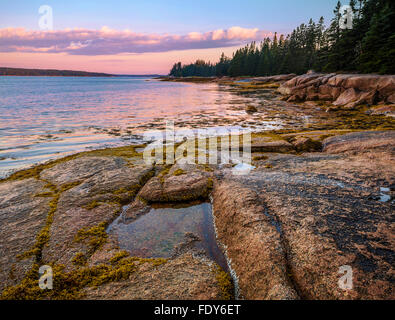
pixel 142 37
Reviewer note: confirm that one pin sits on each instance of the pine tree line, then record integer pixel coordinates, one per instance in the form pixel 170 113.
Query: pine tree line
pixel 368 47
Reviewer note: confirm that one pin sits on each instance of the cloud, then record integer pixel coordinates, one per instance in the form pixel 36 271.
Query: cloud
pixel 107 41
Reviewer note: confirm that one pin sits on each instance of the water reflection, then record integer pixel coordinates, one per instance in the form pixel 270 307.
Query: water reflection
pixel 46 117
pixel 159 232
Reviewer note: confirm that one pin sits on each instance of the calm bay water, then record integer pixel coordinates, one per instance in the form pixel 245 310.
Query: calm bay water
pixel 48 117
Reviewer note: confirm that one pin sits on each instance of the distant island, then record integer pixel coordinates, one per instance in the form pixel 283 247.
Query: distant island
pixel 49 72
pixel 4 71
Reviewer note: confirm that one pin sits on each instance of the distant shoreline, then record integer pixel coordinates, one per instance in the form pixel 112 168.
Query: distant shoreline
pixel 21 72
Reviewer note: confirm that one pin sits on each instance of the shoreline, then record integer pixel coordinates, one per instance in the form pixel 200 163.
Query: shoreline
pixel 312 203
pixel 273 114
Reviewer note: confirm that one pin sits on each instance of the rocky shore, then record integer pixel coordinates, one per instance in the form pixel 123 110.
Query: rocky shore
pixel 320 197
pixel 341 89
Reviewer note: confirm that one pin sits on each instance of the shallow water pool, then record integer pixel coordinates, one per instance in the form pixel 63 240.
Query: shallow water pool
pixel 162 229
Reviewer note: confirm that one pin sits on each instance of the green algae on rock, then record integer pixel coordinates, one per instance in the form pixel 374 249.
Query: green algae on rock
pixel 70 285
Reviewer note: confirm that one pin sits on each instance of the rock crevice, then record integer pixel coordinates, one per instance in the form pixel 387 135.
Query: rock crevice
pixel 253 243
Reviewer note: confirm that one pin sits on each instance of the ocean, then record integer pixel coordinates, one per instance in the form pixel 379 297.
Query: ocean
pixel 43 118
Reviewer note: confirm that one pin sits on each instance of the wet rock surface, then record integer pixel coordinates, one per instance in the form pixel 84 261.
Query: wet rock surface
pixel 320 216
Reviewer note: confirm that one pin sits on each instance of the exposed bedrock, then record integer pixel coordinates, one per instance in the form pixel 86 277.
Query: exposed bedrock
pixel 186 277
pixel 59 217
pixel 359 141
pixel 347 90
pixel 253 243
pixel 102 184
pixel 289 228
pixel 22 215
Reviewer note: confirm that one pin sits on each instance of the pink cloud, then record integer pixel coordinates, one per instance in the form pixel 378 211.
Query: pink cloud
pixel 107 41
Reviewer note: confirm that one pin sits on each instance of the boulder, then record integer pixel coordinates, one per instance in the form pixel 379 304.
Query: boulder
pixel 192 185
pixel 297 84
pixel 308 78
pixel 284 90
pixel 325 78
pixel 348 96
pixel 306 144
pixel 368 97
pixel 311 93
pixel 329 91
pixel 288 84
pixel 386 85
pixel 337 80
pixel 363 98
pixel 362 82
pixel 299 92
pixel 391 98
pixel 346 89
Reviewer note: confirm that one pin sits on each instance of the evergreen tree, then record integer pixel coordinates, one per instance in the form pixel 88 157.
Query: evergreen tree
pixel 378 44
pixel 333 35
pixel 367 47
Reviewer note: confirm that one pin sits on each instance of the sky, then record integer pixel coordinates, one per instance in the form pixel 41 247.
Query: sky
pixel 141 37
